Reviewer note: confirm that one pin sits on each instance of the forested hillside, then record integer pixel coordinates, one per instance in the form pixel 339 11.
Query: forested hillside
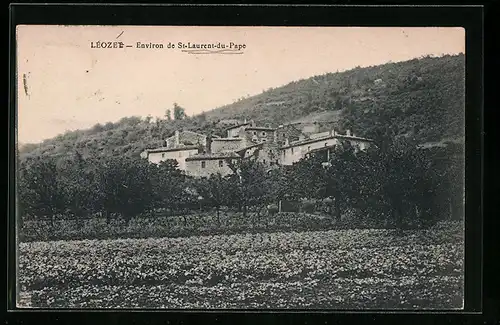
pixel 421 98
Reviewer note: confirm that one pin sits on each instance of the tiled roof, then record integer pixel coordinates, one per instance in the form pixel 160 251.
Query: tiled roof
pixel 242 150
pixel 211 156
pixel 166 149
pixel 228 139
pixel 260 128
pixel 236 126
pixel 322 149
pixel 340 136
pixel 289 131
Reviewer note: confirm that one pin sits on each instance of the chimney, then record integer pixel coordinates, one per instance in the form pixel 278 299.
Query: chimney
pixel 176 138
pixel 332 132
pixel 245 121
pixel 209 144
pixel 287 142
pixel 348 133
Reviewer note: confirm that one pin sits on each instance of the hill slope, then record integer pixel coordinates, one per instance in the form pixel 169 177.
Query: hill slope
pixel 421 98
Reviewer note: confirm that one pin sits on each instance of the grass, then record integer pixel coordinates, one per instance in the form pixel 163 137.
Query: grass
pixel 335 269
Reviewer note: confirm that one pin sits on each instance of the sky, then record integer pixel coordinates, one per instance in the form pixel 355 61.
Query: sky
pixel 66 84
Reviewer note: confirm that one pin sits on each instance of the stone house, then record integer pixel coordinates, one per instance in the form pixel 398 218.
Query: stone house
pixel 202 156
pixel 177 153
pixel 288 131
pixel 187 138
pixel 294 151
pixel 235 131
pixel 257 134
pixel 226 144
pixel 206 164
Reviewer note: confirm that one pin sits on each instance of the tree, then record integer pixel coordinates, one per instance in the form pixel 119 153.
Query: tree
pixel 280 182
pixel 215 190
pixel 248 182
pixel 78 175
pixel 125 186
pixel 406 185
pixel 202 117
pixel 179 112
pixel 169 185
pixel 168 115
pixel 40 189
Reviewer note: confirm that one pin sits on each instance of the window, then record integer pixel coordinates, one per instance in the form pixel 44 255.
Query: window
pixel 309 148
pixel 277 162
pixel 163 155
pixel 291 150
pixel 254 132
pixel 221 163
pixel 202 164
pixel 264 140
pixel 264 133
pixel 326 144
pixel 264 161
pixel 180 153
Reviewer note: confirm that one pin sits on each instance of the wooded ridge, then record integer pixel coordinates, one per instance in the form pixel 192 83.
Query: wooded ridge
pixel 422 99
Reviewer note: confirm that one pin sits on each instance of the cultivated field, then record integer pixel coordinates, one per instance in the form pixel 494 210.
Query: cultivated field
pixel 339 269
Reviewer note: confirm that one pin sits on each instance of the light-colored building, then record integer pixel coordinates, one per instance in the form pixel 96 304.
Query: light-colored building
pixel 179 146
pixel 257 134
pixel 235 130
pixel 206 164
pixel 202 156
pixel 288 131
pixel 186 138
pixel 227 144
pixel 268 153
pixel 294 151
pixel 179 154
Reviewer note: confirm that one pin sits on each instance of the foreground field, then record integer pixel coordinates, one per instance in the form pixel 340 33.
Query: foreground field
pixel 341 269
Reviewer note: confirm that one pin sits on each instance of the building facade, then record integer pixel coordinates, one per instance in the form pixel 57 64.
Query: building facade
pixel 179 154
pixel 294 151
pixel 226 144
pixel 204 165
pixel 186 138
pixel 201 156
pixel 235 130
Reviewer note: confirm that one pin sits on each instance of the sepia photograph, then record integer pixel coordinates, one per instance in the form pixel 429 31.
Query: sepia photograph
pixel 240 167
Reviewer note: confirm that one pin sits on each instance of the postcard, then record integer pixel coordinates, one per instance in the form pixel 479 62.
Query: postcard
pixel 239 168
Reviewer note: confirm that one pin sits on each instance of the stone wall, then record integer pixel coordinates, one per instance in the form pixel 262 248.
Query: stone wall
pixel 204 168
pixel 258 136
pixel 235 132
pixel 269 154
pixel 293 154
pixel 179 155
pixel 227 144
pixel 289 155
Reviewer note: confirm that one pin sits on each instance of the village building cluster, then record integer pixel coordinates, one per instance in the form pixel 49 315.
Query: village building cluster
pixel 200 155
